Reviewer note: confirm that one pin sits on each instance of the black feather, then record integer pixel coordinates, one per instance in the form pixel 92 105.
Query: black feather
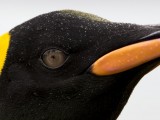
pixel 30 91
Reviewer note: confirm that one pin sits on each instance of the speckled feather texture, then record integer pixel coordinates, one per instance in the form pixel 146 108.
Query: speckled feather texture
pixel 30 91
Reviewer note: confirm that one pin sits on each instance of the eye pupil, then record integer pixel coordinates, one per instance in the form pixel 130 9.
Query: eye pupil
pixel 54 58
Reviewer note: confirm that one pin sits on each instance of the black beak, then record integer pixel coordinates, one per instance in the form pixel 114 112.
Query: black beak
pixel 128 57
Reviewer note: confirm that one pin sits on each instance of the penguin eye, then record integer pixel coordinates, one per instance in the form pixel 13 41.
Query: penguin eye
pixel 53 58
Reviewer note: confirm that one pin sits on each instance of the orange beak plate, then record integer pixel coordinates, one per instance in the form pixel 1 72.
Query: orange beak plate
pixel 126 58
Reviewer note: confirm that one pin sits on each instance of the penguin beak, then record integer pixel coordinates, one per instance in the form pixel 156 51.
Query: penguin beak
pixel 126 58
pixel 4 45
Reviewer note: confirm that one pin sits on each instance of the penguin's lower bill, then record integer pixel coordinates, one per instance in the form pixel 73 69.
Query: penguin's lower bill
pixel 127 58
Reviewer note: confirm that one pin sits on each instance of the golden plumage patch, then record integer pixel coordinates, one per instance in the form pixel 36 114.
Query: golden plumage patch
pixel 4 45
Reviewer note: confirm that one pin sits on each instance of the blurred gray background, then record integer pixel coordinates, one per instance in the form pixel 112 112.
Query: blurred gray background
pixel 144 104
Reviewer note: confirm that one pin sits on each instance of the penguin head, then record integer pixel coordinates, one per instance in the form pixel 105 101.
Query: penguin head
pixel 63 65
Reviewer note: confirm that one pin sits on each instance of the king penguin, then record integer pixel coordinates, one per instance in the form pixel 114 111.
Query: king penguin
pixel 70 65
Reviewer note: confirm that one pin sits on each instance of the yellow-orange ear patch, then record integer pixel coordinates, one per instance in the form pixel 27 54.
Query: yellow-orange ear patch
pixel 127 58
pixel 4 44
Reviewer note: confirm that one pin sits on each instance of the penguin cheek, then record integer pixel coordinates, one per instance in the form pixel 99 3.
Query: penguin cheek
pixel 20 81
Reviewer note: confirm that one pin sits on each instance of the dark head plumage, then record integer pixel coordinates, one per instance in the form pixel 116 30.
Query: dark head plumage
pixel 33 89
